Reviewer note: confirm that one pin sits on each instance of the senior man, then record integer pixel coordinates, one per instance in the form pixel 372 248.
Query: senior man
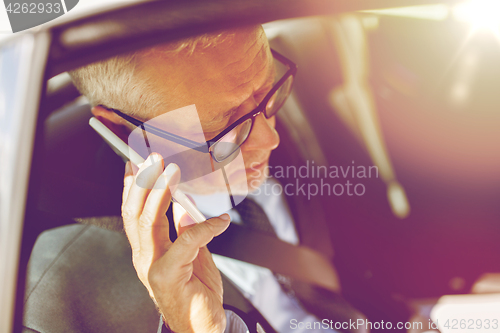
pixel 225 76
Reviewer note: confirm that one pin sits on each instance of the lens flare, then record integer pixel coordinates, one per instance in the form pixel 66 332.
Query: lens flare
pixel 481 14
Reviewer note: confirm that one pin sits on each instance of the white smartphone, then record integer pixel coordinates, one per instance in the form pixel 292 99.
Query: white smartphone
pixel 124 150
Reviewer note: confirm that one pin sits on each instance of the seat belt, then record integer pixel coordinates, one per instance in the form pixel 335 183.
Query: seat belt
pixel 258 248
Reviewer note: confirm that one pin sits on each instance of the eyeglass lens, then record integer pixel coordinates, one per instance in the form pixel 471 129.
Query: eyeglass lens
pixel 278 98
pixel 232 140
pixel 235 138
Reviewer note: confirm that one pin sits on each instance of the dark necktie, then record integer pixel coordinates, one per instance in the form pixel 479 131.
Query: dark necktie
pixel 324 304
pixel 253 216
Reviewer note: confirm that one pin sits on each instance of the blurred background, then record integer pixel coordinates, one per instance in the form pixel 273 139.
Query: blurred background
pixel 414 91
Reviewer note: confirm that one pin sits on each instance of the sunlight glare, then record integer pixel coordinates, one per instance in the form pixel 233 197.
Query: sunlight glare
pixel 481 14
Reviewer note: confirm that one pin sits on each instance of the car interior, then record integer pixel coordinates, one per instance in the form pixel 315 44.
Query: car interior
pixel 425 226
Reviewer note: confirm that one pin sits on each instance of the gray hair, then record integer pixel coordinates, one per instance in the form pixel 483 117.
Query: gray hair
pixel 113 83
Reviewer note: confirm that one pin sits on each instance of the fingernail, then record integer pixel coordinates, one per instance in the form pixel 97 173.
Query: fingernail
pixel 152 159
pixel 225 217
pixel 156 157
pixel 149 161
pixel 148 172
pixel 170 171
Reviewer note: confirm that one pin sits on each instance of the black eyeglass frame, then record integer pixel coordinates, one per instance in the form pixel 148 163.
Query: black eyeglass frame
pixel 206 147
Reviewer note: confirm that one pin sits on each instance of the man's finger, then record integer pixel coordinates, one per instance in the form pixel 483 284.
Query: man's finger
pixel 144 181
pixel 154 229
pixel 132 207
pixel 184 250
pixel 128 180
pixel 156 203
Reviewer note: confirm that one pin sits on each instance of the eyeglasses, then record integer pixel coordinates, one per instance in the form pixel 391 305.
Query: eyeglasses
pixel 230 140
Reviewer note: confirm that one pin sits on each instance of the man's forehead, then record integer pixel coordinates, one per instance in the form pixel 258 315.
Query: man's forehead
pixel 239 85
pixel 215 79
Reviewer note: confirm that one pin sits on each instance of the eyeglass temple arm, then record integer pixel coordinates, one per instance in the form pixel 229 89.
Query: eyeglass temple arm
pixel 198 146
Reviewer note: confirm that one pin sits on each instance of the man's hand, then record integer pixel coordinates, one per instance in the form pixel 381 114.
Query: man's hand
pixel 181 277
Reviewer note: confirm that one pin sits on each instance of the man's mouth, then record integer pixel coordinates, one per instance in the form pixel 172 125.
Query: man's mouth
pixel 256 166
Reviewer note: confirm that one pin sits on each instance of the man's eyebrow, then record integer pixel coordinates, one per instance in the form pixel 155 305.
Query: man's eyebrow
pixel 270 80
pixel 222 116
pixel 230 112
pixel 271 74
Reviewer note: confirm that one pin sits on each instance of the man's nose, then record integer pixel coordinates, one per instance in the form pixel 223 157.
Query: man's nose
pixel 263 135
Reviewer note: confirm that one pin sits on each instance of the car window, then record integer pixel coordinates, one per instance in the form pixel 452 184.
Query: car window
pixel 13 71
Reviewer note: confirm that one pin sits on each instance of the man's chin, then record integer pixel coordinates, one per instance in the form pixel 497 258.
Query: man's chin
pixel 257 177
pixel 244 187
pixel 244 181
pixel 254 184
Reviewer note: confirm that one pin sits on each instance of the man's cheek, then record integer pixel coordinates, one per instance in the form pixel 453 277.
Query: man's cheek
pixel 256 170
pixel 276 133
pixel 266 170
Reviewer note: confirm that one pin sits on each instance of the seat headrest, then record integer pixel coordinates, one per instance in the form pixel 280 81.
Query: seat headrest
pixel 82 176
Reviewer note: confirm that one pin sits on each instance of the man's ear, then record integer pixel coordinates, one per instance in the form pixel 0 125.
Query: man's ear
pixel 114 122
